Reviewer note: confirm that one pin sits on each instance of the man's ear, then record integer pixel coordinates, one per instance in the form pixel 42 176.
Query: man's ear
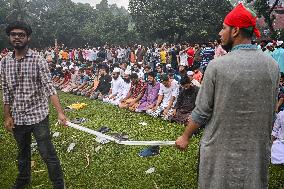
pixel 29 38
pixel 235 31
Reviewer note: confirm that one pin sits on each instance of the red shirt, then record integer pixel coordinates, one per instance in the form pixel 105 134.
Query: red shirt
pixel 137 89
pixel 190 53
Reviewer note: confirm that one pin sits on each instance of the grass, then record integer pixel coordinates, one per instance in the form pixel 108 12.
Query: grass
pixel 114 166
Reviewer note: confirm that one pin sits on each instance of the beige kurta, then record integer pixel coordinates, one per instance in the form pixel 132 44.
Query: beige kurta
pixel 236 102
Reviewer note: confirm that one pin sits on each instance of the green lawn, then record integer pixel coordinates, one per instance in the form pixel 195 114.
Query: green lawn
pixel 114 166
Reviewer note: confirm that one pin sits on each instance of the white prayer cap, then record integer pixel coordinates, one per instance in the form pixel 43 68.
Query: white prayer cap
pixel 71 67
pixel 190 73
pixel 140 62
pixel 58 66
pixel 278 43
pixel 168 66
pixel 116 70
pixel 127 72
pixel 157 64
pixel 139 46
pixel 65 68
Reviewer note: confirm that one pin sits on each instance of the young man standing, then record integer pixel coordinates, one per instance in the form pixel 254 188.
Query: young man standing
pixel 236 103
pixel 26 88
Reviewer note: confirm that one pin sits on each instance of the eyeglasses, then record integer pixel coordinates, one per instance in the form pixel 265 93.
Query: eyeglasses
pixel 20 34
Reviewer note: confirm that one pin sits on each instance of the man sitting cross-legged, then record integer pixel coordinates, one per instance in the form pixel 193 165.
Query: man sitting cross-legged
pixel 185 101
pixel 104 84
pixel 117 84
pixel 136 92
pixel 167 97
pixel 150 97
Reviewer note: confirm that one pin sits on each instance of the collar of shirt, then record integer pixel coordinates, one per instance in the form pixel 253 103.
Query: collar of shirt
pixel 29 53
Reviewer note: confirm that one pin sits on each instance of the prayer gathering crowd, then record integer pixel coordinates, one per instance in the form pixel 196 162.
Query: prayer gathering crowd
pixel 162 80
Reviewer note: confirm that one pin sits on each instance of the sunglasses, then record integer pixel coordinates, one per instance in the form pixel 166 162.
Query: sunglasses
pixel 20 34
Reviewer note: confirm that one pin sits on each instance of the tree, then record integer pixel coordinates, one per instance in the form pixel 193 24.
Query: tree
pixel 265 9
pixel 178 20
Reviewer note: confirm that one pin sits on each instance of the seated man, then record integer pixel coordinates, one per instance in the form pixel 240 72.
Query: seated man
pixel 74 81
pixel 277 149
pixel 168 93
pixel 136 92
pixel 185 101
pixel 104 84
pixel 123 91
pixel 65 80
pixel 150 97
pixel 116 85
pixel 83 81
pixel 190 75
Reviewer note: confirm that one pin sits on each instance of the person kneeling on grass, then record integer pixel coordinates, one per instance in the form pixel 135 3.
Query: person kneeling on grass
pixel 185 101
pixel 150 97
pixel 168 93
pixel 277 149
pixel 123 91
pixel 104 84
pixel 116 85
pixel 136 92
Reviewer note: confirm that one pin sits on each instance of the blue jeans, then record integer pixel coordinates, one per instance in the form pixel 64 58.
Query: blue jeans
pixel 41 132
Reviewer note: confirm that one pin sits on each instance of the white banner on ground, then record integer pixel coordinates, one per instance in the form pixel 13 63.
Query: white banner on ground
pixel 128 143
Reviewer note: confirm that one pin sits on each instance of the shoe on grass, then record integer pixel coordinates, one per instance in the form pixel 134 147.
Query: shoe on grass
pixel 150 151
pixel 21 184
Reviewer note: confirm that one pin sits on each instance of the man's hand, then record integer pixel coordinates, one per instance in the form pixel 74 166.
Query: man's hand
pixel 9 124
pixel 182 143
pixel 62 119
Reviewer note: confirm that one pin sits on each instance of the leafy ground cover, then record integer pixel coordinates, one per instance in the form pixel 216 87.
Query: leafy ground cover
pixel 113 166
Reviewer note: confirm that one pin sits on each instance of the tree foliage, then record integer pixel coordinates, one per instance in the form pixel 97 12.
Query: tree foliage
pixel 178 20
pixel 265 9
pixel 72 24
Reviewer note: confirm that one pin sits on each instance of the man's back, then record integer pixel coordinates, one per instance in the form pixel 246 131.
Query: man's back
pixel 240 92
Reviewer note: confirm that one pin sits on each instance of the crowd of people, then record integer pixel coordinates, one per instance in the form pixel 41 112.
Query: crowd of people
pixel 161 80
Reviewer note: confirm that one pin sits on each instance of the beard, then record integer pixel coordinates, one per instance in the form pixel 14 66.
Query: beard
pixel 19 46
pixel 229 45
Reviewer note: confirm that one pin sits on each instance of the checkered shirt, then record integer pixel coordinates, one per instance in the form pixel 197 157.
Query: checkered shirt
pixel 26 87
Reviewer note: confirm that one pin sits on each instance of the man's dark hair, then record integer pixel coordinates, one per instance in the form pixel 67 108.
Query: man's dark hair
pixel 281 75
pixel 184 80
pixel 152 74
pixel 247 32
pixel 134 76
pixel 19 25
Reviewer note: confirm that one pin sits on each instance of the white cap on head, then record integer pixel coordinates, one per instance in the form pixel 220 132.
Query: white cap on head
pixel 65 68
pixel 127 72
pixel 140 63
pixel 190 73
pixel 168 66
pixel 278 43
pixel 116 70
pixel 71 67
pixel 58 66
pixel 157 64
